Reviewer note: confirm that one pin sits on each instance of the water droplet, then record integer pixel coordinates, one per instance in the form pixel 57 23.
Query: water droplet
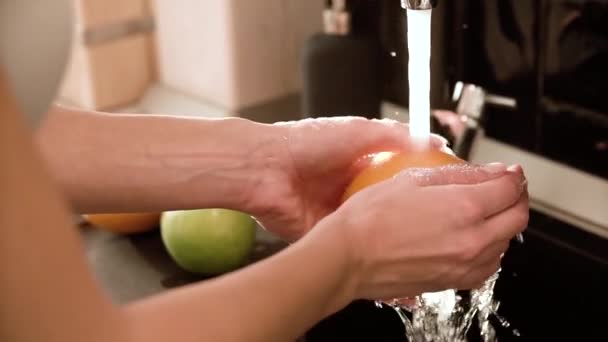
pixel 503 321
pixel 516 333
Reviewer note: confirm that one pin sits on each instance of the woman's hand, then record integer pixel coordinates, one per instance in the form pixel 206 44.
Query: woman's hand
pixel 315 163
pixel 430 229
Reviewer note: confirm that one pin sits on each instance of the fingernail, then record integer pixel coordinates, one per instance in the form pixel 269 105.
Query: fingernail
pixel 516 168
pixel 495 168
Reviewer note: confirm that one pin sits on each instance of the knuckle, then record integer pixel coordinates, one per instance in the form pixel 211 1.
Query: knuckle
pixel 479 283
pixel 444 282
pixel 508 188
pixel 492 267
pixel 475 282
pixel 522 223
pixel 520 220
pixel 445 275
pixel 470 211
pixel 504 247
pixel 477 278
pixel 468 255
pixel 460 276
pixel 490 271
pixel 524 218
pixel 515 187
pixel 470 249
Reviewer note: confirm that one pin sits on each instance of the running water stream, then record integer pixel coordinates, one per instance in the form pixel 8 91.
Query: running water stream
pixel 448 315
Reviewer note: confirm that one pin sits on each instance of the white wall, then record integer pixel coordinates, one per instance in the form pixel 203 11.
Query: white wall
pixel 234 53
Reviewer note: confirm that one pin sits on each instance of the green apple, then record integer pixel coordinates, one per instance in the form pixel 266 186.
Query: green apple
pixel 208 241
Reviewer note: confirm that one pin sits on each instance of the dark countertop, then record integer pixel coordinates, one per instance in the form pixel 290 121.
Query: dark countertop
pixel 134 267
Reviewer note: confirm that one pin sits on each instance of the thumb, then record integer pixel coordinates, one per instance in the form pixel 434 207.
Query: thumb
pixel 455 174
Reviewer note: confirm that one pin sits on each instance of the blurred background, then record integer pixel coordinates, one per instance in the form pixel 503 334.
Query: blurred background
pixel 276 60
pixel 210 58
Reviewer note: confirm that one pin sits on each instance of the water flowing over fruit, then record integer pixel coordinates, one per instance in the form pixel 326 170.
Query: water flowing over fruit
pixel 386 165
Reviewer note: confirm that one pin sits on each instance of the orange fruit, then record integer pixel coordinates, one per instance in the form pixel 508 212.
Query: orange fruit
pixel 125 223
pixel 385 165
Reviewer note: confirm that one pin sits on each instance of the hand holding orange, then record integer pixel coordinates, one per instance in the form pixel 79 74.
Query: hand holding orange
pixel 440 228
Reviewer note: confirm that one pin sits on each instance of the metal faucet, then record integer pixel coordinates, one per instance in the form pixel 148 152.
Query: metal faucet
pixel 419 4
pixel 472 101
pixel 336 18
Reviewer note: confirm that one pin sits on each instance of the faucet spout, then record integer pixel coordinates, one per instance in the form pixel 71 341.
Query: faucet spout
pixel 418 4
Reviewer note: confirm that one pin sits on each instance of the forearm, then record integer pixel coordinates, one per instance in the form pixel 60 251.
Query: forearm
pixel 112 163
pixel 50 284
pixel 275 300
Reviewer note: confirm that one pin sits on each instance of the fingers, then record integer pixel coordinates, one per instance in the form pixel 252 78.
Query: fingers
pixel 492 252
pixel 509 223
pixel 477 192
pixel 369 136
pixel 491 197
pixel 498 230
pixel 460 174
pixel 492 191
pixel 484 266
pixel 476 278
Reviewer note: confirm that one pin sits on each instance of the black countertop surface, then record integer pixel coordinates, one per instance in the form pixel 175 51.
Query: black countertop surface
pixel 137 266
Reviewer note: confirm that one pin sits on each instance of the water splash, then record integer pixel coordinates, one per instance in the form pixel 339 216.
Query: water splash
pixel 447 316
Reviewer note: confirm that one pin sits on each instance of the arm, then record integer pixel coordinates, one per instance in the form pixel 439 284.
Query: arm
pixel 45 278
pixel 113 163
pixel 288 175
